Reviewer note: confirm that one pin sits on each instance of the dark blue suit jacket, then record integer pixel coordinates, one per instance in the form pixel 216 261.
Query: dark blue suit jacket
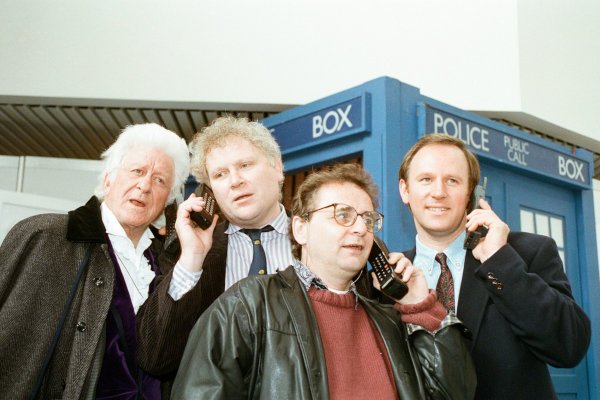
pixel 520 316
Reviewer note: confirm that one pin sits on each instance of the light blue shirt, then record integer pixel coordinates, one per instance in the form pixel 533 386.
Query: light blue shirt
pixel 455 254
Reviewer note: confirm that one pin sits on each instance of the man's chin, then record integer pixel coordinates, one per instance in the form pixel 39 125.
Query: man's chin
pixel 243 220
pixel 444 231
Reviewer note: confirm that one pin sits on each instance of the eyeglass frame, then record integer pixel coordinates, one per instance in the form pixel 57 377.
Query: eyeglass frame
pixel 356 214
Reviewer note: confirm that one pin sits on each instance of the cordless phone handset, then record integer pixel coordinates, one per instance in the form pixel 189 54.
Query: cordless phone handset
pixel 472 238
pixel 390 284
pixel 204 218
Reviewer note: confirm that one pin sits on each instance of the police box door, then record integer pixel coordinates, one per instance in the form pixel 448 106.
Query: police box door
pixel 530 205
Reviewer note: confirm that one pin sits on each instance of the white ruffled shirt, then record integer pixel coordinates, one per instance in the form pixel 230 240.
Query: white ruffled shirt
pixel 135 268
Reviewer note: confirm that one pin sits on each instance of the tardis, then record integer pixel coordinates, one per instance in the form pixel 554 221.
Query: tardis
pixel 532 184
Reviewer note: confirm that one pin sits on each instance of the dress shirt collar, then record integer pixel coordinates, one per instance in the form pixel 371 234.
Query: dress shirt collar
pixel 454 253
pixel 308 278
pixel 117 235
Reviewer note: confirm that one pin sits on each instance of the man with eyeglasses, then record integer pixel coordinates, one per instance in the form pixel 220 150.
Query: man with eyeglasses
pixel 241 162
pixel 305 332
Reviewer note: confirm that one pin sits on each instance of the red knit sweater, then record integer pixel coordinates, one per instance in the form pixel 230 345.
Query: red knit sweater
pixel 358 366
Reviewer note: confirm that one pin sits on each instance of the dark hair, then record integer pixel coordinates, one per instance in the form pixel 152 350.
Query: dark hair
pixel 339 173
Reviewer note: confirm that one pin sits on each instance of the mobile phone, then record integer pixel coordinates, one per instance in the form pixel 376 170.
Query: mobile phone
pixel 391 285
pixel 170 217
pixel 204 218
pixel 473 238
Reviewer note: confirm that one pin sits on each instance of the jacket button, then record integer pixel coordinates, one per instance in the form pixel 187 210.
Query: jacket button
pixel 98 281
pixel 498 285
pixel 491 276
pixel 81 326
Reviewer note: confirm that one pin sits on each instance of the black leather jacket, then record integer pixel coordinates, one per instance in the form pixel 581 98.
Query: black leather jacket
pixel 266 322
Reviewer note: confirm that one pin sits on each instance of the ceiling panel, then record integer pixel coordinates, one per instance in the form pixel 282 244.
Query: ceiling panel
pixel 84 128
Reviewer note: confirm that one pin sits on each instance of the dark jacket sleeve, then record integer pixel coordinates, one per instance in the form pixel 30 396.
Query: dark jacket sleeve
pixel 526 281
pixel 163 324
pixel 441 350
pixel 218 353
pixel 446 363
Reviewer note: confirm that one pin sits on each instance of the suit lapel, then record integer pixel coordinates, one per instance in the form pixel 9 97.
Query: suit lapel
pixel 212 281
pixel 473 297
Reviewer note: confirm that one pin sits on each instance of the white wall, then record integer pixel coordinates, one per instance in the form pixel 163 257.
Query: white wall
pixel 61 177
pixel 560 65
pixel 499 55
pixel 17 206
pixel 9 167
pixel 264 51
pixel 47 185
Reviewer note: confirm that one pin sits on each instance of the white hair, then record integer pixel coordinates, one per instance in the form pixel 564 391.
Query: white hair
pixel 148 136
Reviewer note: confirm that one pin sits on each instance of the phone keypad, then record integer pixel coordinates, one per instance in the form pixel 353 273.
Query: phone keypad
pixel 210 204
pixel 381 267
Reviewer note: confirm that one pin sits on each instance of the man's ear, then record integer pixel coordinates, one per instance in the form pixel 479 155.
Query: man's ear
pixel 300 230
pixel 403 189
pixel 106 183
pixel 279 169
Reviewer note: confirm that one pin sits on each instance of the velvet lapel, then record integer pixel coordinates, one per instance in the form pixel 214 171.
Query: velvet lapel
pixel 85 223
pixel 473 297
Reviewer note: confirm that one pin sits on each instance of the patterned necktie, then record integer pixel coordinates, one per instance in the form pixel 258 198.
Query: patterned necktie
pixel 445 285
pixel 259 259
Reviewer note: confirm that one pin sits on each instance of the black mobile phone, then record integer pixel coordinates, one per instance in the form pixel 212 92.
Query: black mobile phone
pixel 473 238
pixel 391 285
pixel 170 217
pixel 204 218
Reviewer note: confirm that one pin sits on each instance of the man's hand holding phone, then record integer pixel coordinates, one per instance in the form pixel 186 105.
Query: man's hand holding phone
pixel 497 235
pixel 195 241
pixel 409 274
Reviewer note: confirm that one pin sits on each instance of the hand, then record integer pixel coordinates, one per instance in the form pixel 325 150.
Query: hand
pixel 411 275
pixel 497 235
pixel 195 242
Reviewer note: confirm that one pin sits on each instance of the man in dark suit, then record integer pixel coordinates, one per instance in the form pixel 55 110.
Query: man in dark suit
pixel 241 162
pixel 510 291
pixel 71 285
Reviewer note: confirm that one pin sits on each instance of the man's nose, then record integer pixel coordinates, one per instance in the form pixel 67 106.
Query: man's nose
pixel 236 178
pixel 144 183
pixel 359 227
pixel 438 189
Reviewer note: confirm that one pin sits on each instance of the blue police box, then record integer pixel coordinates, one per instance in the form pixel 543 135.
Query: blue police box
pixel 534 185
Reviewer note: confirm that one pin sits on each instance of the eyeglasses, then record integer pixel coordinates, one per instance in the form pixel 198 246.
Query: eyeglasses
pixel 346 215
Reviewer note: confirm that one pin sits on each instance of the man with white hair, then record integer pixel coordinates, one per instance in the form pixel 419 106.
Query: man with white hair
pixel 71 285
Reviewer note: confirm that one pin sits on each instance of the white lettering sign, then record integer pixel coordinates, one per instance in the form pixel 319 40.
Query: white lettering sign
pixel 472 135
pixel 516 150
pixel 570 168
pixel 333 121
